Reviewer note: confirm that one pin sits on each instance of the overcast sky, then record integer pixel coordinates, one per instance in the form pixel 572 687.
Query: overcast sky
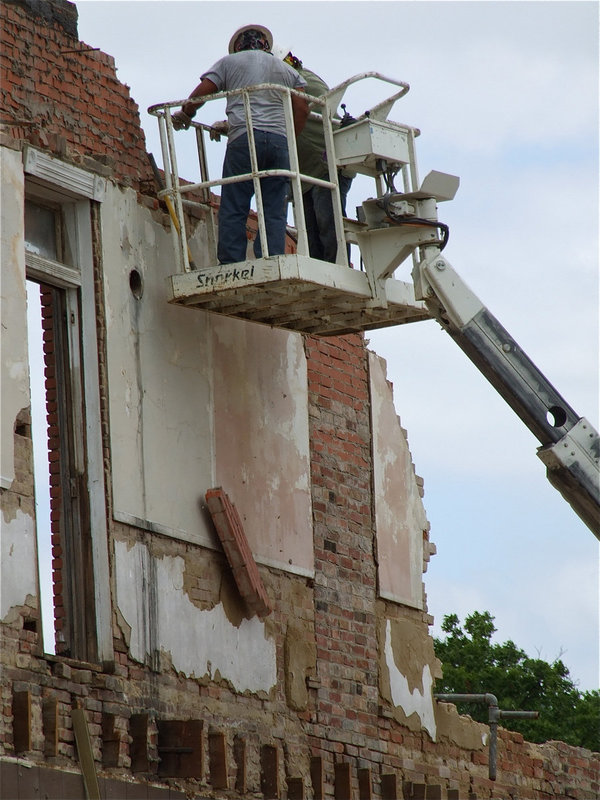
pixel 506 97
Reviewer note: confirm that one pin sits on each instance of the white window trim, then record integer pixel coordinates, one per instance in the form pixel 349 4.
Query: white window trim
pixel 75 181
pixel 42 268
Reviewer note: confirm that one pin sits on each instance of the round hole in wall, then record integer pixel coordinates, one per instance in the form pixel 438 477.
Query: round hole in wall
pixel 136 284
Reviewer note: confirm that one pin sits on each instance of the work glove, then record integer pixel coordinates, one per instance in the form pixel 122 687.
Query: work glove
pixel 181 120
pixel 217 129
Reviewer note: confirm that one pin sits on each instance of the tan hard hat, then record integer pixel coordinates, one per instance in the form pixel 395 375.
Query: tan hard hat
pixel 261 28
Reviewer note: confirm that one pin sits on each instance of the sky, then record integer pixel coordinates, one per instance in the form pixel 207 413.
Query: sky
pixel 505 95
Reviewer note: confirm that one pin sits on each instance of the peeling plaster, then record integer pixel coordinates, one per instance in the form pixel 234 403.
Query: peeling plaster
pixel 399 513
pixel 19 567
pixel 260 426
pixel 152 601
pixel 415 702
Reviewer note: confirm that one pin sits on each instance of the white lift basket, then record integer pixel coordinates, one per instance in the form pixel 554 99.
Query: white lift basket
pixel 294 290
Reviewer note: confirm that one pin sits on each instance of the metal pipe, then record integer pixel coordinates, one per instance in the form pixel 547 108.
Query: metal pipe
pixel 336 200
pixel 176 195
pixel 169 179
pixel 494 714
pixel 265 173
pixel 260 211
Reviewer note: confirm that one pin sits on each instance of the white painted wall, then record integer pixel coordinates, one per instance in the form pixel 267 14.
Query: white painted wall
pixel 262 438
pixel 159 370
pixel 200 400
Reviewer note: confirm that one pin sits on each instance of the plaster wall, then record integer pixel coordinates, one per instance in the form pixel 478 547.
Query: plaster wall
pixel 159 365
pixel 354 670
pixel 19 569
pixel 400 519
pixel 18 577
pixel 198 400
pixel 13 331
pixel 261 427
pixel 199 642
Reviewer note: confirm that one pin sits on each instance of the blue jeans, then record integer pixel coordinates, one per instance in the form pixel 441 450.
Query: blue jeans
pixel 271 153
pixel 318 216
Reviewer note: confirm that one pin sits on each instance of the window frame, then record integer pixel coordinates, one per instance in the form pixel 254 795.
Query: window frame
pixel 72 191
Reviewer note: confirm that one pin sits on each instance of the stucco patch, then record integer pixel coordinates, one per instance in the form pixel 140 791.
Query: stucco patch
pixel 460 730
pixel 300 656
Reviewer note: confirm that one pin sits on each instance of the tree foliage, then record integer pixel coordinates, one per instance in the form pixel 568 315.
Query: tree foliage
pixel 472 664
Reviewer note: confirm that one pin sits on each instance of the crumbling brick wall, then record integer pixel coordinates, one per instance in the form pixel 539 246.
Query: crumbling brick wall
pixel 60 94
pixel 345 583
pixel 325 730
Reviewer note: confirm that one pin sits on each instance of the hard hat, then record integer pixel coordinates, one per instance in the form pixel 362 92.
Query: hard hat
pixel 267 34
pixel 285 54
pixel 279 51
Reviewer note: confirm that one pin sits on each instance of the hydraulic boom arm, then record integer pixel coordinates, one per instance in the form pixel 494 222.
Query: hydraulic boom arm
pixel 398 224
pixel 570 447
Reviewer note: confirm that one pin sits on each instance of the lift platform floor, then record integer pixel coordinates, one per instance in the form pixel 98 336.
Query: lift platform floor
pixel 298 293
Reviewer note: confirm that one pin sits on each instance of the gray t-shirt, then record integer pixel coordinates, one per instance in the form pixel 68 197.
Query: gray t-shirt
pixel 248 68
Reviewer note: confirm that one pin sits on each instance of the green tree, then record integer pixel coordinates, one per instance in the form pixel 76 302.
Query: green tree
pixel 472 664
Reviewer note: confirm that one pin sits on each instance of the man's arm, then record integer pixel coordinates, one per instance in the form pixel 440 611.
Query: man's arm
pixel 300 111
pixel 182 119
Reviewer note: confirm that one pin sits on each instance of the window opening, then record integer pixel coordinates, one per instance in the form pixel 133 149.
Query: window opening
pixel 60 472
pixel 41 462
pixel 42 230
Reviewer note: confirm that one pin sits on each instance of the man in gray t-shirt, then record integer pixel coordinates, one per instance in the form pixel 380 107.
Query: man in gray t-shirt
pixel 250 62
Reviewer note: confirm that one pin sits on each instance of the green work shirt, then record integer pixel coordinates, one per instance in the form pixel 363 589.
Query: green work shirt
pixel 311 142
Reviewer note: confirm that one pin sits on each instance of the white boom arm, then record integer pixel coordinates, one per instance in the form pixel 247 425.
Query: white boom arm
pixel 399 224
pixel 570 447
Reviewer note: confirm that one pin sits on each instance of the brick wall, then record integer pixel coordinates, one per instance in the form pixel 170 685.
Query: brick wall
pixel 324 732
pixel 343 543
pixel 61 95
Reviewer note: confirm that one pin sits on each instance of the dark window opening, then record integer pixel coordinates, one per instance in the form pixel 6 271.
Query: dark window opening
pixel 42 230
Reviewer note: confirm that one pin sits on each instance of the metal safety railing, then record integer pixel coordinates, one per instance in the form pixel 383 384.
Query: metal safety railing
pixel 179 194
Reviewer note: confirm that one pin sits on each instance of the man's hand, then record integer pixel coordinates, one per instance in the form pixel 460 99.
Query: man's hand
pixel 181 120
pixel 217 129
